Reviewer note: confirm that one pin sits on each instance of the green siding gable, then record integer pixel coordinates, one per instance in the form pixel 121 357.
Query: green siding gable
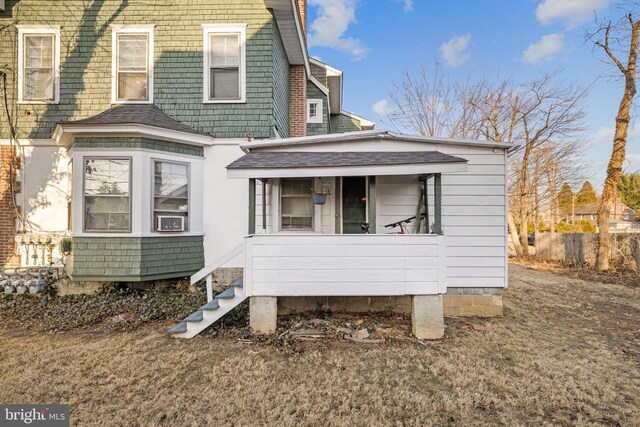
pixel 134 259
pixel 137 142
pixel 341 123
pixel 86 37
pixel 318 128
pixel 280 86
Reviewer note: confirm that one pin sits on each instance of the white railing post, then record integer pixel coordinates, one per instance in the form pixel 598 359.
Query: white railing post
pixel 209 287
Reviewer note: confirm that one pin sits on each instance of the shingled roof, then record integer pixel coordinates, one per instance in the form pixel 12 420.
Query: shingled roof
pixel 136 114
pixel 284 160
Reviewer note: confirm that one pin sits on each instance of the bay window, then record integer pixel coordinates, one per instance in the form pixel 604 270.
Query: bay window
pixel 107 202
pixel 170 196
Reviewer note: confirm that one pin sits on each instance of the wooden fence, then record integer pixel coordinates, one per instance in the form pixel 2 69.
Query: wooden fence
pixel 582 248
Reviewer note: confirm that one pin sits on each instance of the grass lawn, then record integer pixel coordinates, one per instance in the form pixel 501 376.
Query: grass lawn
pixel 567 352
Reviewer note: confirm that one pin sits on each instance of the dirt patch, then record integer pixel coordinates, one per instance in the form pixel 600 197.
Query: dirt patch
pixel 567 352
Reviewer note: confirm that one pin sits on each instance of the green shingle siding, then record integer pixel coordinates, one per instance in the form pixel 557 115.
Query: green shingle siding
pixel 280 86
pixel 341 123
pixel 85 87
pixel 318 128
pixel 134 258
pixel 137 142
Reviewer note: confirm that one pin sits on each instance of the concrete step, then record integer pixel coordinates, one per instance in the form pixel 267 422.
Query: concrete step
pixel 179 328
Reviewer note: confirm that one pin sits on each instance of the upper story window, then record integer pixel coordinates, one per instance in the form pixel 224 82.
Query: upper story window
pixel 107 205
pixel 314 111
pixel 224 63
pixel 171 196
pixel 132 64
pixel 296 204
pixel 39 64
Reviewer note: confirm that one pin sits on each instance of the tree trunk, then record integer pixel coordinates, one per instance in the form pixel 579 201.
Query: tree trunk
pixel 614 169
pixel 513 231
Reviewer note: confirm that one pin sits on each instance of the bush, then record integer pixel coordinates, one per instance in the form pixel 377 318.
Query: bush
pixel 579 227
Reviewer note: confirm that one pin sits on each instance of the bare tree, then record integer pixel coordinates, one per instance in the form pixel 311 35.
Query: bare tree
pixel 531 115
pixel 623 34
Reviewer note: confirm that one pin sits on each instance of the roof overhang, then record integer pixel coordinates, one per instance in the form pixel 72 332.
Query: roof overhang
pixel 334 84
pixel 64 133
pixel 287 17
pixel 370 135
pixel 327 164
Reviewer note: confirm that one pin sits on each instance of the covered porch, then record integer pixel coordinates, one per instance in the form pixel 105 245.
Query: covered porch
pixel 346 224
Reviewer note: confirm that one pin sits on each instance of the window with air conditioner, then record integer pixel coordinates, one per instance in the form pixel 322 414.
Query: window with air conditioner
pixel 107 202
pixel 170 196
pixel 39 65
pixel 224 63
pixel 132 64
pixel 296 204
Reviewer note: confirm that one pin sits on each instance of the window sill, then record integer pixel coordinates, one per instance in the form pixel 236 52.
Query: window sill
pixel 224 101
pixel 113 102
pixel 38 102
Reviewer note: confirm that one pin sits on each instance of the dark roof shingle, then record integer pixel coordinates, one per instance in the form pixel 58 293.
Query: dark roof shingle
pixel 280 160
pixel 139 114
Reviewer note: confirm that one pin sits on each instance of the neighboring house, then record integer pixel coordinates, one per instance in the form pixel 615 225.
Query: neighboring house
pixel 621 213
pixel 167 140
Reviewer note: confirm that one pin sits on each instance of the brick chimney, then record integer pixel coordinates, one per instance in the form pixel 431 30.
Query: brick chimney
pixel 9 163
pixel 298 87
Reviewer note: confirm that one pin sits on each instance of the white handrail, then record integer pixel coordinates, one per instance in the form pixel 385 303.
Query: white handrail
pixel 208 269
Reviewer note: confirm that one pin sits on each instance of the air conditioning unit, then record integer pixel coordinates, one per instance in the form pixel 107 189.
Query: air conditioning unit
pixel 170 223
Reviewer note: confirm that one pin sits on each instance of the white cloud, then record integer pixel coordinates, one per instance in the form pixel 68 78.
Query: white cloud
pixel 604 135
pixel 545 49
pixel 408 5
pixel 455 51
pixel 332 21
pixel 382 108
pixel 571 12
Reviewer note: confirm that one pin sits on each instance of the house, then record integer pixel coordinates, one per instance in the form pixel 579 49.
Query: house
pixel 158 141
pixel 621 213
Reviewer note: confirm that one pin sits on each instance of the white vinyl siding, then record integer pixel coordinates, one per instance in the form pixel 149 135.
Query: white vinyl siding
pixel 224 63
pixel 39 65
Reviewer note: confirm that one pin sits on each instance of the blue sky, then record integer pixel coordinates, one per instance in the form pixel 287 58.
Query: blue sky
pixel 375 41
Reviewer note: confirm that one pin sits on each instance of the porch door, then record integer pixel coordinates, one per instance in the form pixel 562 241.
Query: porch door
pixel 354 203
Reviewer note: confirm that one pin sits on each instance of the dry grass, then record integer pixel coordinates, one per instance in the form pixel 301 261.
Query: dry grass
pixel 566 353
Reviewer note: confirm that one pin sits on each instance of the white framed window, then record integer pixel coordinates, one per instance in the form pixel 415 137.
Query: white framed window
pixel 106 194
pixel 38 64
pixel 314 111
pixel 224 61
pixel 625 216
pixel 170 192
pixel 296 204
pixel 132 64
